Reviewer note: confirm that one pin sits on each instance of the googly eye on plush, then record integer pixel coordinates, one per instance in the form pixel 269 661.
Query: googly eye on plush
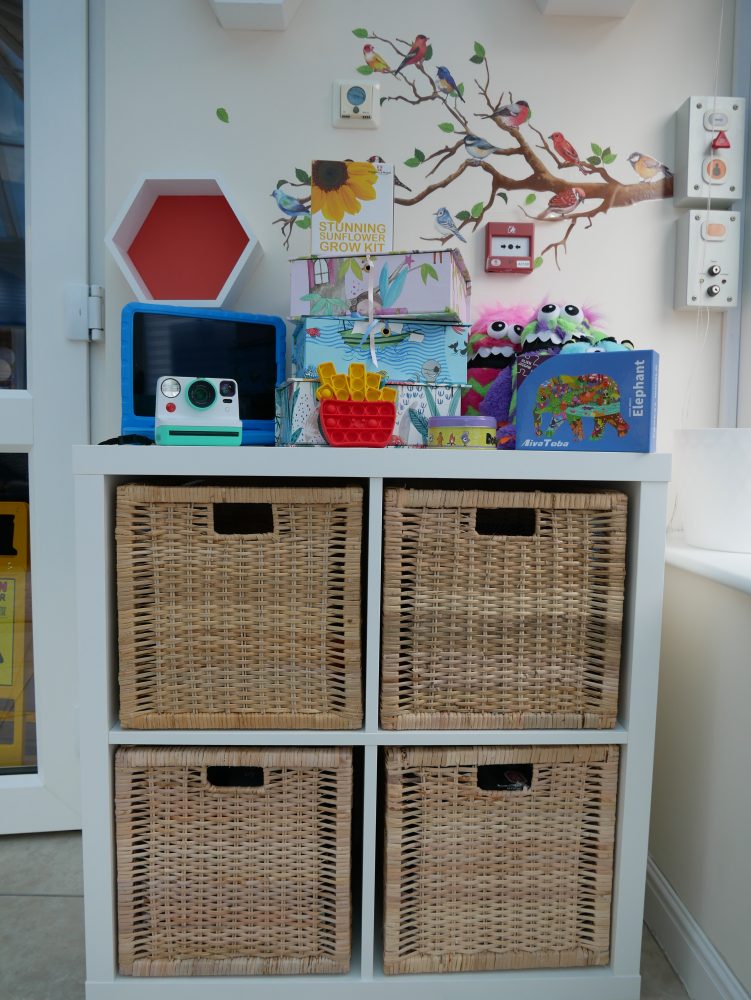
pixel 497 329
pixel 573 312
pixel 548 314
pixel 514 333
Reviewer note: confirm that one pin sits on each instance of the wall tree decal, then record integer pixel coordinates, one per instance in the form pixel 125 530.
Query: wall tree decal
pixel 579 188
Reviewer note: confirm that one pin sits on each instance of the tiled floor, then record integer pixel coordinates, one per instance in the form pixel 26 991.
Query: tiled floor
pixel 41 924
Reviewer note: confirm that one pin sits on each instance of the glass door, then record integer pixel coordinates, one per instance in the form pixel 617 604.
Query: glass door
pixel 43 403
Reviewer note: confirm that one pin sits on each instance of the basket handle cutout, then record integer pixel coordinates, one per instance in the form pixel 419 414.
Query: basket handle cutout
pixel 235 777
pixel 243 519
pixel 7 528
pixel 506 521
pixel 504 777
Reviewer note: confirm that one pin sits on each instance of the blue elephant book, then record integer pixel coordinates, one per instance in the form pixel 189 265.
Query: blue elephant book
pixel 589 402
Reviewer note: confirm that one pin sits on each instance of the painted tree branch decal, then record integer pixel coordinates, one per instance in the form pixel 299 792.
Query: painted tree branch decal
pixel 518 164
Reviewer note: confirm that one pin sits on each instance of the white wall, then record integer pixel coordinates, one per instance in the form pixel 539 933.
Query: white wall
pixel 701 802
pixel 169 65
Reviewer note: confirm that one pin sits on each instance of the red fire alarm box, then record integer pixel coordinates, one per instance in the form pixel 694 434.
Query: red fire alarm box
pixel 509 247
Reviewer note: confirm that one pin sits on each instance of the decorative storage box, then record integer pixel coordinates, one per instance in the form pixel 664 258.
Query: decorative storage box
pixel 501 610
pixel 406 351
pixel 297 412
pixel 420 284
pixel 498 857
pixel 233 861
pixel 239 607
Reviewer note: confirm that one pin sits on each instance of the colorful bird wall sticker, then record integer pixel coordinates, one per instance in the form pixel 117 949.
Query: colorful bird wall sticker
pixel 289 205
pixel 511 115
pixel 445 224
pixel 376 62
pixel 566 151
pixel 447 84
pixel 416 54
pixel 647 167
pixel 397 182
pixel 564 203
pixel 478 148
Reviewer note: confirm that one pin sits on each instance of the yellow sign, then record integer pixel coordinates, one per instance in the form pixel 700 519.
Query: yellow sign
pixel 7 617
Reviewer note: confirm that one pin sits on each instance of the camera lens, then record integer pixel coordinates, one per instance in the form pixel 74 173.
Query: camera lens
pixel 226 388
pixel 201 393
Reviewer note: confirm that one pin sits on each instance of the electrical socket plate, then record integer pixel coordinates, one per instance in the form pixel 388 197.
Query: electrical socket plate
pixel 356 104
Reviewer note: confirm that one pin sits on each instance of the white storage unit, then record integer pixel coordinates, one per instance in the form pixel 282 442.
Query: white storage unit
pixel 642 477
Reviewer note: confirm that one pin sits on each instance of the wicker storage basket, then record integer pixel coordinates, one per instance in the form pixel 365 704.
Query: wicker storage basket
pixel 218 875
pixel 478 878
pixel 502 610
pixel 224 629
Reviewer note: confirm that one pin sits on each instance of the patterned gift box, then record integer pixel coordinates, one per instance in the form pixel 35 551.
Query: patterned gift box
pixel 297 412
pixel 418 284
pixel 404 351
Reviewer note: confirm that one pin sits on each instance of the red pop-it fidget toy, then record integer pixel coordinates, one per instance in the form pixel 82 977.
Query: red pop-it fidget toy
pixel 349 423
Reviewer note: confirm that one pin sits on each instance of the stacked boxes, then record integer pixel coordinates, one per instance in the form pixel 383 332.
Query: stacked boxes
pixel 344 308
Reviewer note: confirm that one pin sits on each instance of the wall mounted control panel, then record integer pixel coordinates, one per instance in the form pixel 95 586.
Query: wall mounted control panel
pixel 709 145
pixel 509 247
pixel 356 104
pixel 707 255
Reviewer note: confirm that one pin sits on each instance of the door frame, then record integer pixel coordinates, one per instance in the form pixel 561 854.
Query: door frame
pixel 45 420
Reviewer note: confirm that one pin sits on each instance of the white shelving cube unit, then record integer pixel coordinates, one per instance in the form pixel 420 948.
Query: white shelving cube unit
pixel 643 477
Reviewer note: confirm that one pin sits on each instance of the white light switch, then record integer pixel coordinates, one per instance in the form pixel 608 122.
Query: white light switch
pixel 356 104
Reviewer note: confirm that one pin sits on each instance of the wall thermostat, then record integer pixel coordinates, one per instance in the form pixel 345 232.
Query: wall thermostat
pixel 509 247
pixel 356 104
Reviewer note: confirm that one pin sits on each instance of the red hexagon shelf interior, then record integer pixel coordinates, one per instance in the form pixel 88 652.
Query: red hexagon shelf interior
pixel 182 240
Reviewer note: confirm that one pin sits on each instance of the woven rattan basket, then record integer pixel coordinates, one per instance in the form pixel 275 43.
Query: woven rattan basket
pixel 479 878
pixel 220 875
pixel 502 610
pixel 239 607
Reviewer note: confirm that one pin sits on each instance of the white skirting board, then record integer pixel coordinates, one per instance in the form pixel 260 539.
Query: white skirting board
pixel 702 969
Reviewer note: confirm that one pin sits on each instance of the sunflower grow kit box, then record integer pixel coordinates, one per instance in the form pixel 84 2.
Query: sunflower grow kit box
pixel 297 416
pixel 589 402
pixel 182 239
pixel 352 207
pixel 408 351
pixel 212 343
pixel 416 284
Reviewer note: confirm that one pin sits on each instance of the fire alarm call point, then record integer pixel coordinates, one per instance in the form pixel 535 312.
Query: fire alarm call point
pixel 509 247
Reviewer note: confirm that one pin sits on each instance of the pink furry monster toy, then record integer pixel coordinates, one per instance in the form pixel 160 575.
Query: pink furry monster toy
pixel 494 342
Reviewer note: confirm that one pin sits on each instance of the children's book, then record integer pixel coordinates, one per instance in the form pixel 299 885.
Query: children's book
pixel 352 208
pixel 589 402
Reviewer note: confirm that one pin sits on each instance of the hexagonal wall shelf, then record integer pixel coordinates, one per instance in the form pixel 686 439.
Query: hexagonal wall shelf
pixel 182 240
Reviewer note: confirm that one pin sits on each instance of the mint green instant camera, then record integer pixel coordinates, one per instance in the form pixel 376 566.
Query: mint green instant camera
pixel 191 410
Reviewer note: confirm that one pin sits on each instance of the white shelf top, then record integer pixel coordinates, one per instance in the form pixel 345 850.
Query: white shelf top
pixel 379 463
pixel 361 737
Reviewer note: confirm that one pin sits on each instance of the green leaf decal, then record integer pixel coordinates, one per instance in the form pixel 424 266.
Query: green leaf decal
pixel 597 150
pixel 282 181
pixel 222 115
pixel 360 32
pixel 538 262
pixel 446 127
pixel 382 100
pixel 460 88
pixel 594 160
pixel 463 215
pixel 365 70
pixel 303 222
pixel 609 158
pixel 419 155
pixel 428 54
pixel 302 176
pixel 529 199
pixel 606 152
pixel 476 210
pixel 502 194
pixel 476 59
pixel 479 50
pixel 356 269
pixel 412 162
pixel 428 271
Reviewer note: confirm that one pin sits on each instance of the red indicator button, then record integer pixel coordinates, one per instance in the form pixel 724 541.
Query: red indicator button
pixel 170 407
pixel 720 141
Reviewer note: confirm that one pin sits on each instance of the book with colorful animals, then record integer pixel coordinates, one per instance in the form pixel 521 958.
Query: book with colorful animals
pixel 352 207
pixel 589 402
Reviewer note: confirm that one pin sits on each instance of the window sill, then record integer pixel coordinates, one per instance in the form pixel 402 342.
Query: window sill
pixel 732 569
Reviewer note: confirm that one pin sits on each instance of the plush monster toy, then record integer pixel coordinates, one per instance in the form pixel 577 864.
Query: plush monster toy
pixel 494 341
pixel 553 327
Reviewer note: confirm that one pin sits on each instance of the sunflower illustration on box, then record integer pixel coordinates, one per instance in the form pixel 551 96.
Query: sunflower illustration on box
pixel 352 207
